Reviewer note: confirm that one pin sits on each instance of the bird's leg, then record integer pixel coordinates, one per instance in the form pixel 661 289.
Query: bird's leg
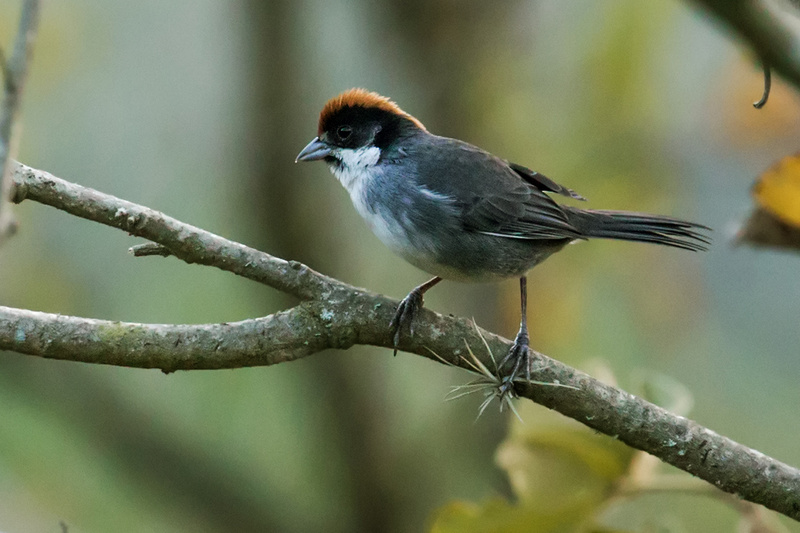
pixel 520 352
pixel 404 317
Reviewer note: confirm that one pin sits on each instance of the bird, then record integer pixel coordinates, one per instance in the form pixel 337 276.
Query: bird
pixel 460 213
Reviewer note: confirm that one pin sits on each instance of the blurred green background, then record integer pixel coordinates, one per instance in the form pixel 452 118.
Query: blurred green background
pixel 198 108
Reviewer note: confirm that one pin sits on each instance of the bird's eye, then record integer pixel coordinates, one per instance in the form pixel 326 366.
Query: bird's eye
pixel 343 132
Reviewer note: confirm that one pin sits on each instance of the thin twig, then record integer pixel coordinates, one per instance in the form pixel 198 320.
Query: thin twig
pixel 149 248
pixel 15 72
pixel 770 28
pixel 767 86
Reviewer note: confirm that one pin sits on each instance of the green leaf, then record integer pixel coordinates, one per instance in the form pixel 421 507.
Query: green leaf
pixel 498 516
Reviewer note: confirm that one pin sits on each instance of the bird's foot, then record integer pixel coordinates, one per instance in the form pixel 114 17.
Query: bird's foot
pixel 519 357
pixel 404 316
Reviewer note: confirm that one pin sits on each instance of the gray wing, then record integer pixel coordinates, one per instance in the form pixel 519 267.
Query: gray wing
pixel 542 182
pixel 490 195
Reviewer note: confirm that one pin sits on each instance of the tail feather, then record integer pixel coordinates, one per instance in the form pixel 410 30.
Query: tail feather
pixel 640 227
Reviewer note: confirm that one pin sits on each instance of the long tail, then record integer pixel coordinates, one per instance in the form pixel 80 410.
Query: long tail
pixel 639 227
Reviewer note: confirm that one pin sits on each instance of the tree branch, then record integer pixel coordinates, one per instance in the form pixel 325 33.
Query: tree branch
pixel 15 72
pixel 188 243
pixel 770 27
pixel 333 314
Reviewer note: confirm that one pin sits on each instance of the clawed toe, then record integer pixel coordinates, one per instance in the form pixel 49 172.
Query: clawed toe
pixel 409 307
pixel 518 356
pixel 404 316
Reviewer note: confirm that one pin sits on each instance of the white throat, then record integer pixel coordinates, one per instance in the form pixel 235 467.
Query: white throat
pixel 356 166
pixel 358 171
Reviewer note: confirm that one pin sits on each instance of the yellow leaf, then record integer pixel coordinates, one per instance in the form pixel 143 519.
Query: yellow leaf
pixel 778 190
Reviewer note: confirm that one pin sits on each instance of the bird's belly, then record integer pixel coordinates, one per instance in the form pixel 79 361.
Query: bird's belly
pixel 398 234
pixel 458 254
pixel 431 238
pixel 480 258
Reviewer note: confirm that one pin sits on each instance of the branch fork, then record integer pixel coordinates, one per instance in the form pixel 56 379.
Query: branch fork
pixel 332 314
